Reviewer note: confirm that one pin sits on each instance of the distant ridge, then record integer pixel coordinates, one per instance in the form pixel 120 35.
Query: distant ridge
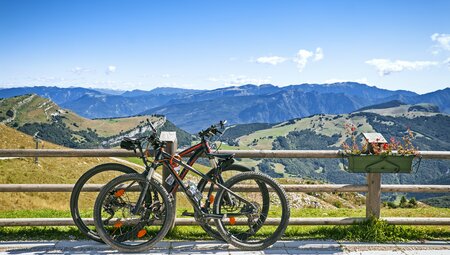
pixel 31 113
pixel 160 91
pixel 193 109
pixel 393 103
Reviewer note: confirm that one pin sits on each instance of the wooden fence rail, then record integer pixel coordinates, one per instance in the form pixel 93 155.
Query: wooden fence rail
pixel 238 153
pixel 243 188
pixel 373 188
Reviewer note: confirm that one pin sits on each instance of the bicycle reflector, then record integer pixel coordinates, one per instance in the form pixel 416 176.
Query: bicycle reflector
pixel 118 224
pixel 232 220
pixel 119 193
pixel 141 233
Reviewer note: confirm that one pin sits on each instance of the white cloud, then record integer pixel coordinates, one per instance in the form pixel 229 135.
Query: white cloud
pixel 319 54
pixel 80 70
pixel 302 59
pixel 272 60
pixel 110 69
pixel 442 40
pixel 386 66
pixel 166 75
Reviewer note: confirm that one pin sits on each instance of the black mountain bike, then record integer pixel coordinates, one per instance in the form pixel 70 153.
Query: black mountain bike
pixel 80 200
pixel 134 211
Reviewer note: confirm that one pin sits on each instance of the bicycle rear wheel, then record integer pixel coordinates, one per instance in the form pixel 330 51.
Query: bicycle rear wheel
pixel 232 170
pixel 115 221
pixel 83 202
pixel 244 224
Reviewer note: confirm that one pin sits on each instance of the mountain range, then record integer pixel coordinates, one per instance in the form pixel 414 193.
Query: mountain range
pixel 192 110
pixel 33 114
pixel 431 130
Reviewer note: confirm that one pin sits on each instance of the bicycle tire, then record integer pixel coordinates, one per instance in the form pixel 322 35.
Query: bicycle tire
pixel 208 228
pixel 243 243
pixel 74 197
pixel 108 197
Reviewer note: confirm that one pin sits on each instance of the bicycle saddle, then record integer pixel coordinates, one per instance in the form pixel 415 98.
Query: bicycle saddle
pixel 129 143
pixel 133 140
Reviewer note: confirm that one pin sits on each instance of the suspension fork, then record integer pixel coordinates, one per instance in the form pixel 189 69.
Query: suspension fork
pixel 148 176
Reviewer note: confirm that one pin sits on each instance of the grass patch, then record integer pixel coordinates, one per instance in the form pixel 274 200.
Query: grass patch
pixel 369 231
pixel 40 233
pixel 380 231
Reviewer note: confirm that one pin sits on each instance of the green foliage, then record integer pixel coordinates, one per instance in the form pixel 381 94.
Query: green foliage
pixel 58 133
pixel 39 233
pixel 391 205
pixel 239 130
pixel 442 202
pixel 403 202
pixel 266 167
pixel 368 231
pixel 412 202
pixel 373 230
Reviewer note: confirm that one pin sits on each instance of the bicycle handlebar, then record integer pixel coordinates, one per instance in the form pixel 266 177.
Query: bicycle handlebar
pixel 156 143
pixel 213 129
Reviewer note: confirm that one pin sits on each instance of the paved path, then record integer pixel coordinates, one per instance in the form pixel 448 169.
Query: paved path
pixel 212 247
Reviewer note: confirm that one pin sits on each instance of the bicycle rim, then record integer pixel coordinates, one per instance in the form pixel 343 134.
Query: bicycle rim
pixel 245 225
pixel 115 221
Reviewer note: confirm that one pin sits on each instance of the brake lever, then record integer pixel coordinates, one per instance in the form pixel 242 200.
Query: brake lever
pixel 151 126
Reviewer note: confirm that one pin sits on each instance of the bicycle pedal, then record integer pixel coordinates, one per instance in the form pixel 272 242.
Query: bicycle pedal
pixel 186 213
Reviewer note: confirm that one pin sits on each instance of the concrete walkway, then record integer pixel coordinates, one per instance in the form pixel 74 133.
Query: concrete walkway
pixel 213 247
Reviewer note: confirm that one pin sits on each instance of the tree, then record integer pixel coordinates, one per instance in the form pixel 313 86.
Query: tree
pixel 413 202
pixel 403 202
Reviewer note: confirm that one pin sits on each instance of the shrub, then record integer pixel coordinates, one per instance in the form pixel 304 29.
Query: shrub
pixel 413 202
pixel 403 202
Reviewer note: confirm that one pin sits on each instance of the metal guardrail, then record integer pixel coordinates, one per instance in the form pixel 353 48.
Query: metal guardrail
pixel 373 188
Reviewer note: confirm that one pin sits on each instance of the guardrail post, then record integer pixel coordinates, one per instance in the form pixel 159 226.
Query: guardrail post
pixel 171 139
pixel 373 196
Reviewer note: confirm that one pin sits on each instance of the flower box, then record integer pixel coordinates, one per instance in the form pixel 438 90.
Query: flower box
pixel 380 163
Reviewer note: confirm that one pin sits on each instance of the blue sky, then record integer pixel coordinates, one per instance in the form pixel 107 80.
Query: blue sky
pixel 210 44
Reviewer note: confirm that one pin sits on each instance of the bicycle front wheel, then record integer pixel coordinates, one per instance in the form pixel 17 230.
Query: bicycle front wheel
pixel 127 229
pixel 83 202
pixel 245 225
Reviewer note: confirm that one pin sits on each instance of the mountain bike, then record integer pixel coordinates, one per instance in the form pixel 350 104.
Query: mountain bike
pixel 134 211
pixel 80 200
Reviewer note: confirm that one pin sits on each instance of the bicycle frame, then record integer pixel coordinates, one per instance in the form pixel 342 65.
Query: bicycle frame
pixel 179 183
pixel 167 160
